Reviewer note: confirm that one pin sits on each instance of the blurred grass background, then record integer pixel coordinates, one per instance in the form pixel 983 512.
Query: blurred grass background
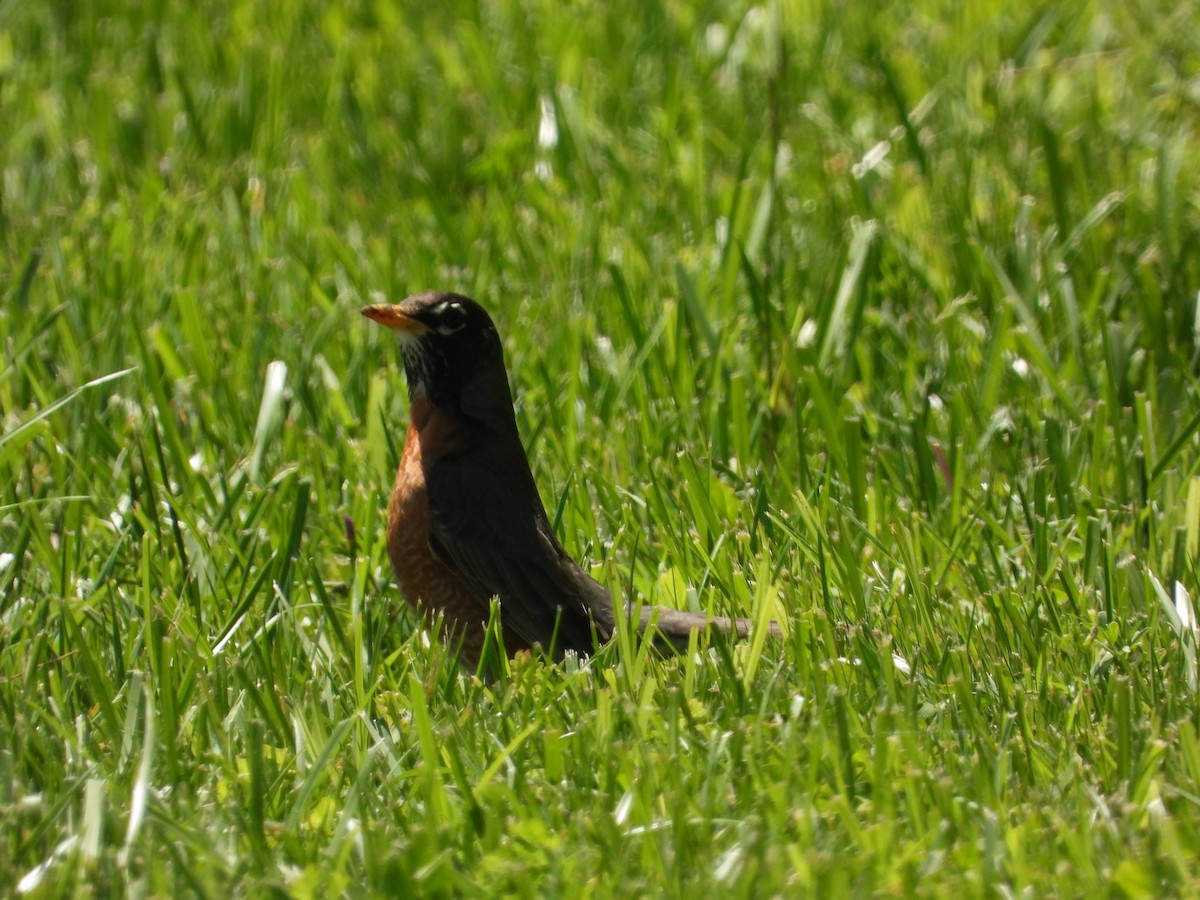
pixel 882 319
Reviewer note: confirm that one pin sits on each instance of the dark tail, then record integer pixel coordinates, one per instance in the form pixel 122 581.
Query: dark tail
pixel 673 627
pixel 676 626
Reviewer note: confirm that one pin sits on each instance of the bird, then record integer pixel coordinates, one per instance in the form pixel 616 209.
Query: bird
pixel 465 522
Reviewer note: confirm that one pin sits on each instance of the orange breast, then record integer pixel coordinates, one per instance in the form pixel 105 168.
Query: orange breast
pixel 426 582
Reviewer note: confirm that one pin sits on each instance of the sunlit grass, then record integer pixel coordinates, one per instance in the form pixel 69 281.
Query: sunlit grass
pixel 879 320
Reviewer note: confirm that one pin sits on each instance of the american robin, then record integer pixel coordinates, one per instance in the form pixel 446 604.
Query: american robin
pixel 465 522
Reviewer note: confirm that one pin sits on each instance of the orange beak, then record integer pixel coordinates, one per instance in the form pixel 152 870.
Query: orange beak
pixel 394 318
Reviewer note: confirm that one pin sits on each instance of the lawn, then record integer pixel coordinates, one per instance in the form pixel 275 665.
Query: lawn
pixel 879 319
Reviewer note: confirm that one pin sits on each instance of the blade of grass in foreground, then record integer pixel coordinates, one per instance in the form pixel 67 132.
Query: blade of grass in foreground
pixel 845 310
pixel 12 442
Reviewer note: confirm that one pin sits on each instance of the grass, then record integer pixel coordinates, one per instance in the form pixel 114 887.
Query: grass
pixel 878 319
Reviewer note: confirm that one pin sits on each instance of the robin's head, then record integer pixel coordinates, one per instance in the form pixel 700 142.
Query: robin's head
pixel 448 342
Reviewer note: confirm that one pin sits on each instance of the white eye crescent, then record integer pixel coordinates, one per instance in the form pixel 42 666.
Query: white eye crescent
pixel 450 318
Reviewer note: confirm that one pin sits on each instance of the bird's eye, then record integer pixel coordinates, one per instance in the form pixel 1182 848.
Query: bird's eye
pixel 450 318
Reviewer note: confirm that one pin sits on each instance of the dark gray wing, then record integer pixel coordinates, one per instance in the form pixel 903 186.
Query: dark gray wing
pixel 486 529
